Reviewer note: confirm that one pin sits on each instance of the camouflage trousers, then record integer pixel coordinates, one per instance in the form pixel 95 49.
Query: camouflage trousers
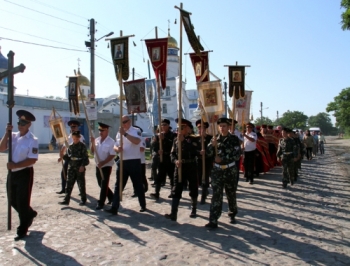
pixel 75 175
pixel 288 170
pixel 297 165
pixel 220 179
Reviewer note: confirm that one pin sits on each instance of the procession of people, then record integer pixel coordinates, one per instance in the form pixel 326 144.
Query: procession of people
pixel 204 161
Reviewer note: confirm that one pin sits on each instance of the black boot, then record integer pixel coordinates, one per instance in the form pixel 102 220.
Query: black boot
pixel 174 208
pixel 194 208
pixel 232 216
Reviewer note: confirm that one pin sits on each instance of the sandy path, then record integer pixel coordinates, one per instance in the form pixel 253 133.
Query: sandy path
pixel 308 223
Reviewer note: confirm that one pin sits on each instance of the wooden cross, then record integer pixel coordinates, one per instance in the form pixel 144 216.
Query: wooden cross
pixel 9 74
pixel 10 103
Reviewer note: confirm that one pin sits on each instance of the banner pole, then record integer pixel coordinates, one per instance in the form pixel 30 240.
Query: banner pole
pixel 233 112
pixel 203 155
pixel 10 104
pixel 121 137
pixel 159 118
pixel 202 141
pixel 90 132
pixel 179 144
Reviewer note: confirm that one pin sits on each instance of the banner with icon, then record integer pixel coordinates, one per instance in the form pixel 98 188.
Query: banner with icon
pixel 135 96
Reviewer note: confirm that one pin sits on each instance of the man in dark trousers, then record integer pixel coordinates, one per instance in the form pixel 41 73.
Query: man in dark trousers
pixel 208 161
pixel 250 139
pixel 189 151
pixel 25 149
pixel 104 145
pixel 131 163
pixel 166 167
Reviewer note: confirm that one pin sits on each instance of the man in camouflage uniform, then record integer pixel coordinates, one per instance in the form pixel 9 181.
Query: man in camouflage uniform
pixel 208 161
pixel 165 167
pixel 287 153
pixel 224 172
pixel 189 151
pixel 78 158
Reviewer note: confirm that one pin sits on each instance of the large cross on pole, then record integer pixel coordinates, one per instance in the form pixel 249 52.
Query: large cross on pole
pixel 9 73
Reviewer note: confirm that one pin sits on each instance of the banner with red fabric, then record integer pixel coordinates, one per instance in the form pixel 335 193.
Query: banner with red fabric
pixel 135 95
pixel 158 53
pixel 200 64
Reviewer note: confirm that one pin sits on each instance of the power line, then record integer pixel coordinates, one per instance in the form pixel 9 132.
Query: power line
pixel 45 14
pixel 64 11
pixel 49 46
pixel 42 22
pixel 37 37
pixel 136 74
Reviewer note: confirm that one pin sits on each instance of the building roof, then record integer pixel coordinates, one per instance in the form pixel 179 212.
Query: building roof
pixel 82 80
pixel 172 43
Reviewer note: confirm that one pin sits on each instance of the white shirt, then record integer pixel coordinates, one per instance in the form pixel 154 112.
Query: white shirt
pixel 250 145
pixel 104 149
pixel 130 150
pixel 238 134
pixel 24 147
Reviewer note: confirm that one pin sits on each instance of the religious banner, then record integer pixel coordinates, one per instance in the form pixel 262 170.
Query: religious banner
pixel 236 81
pixel 210 94
pixel 57 127
pixel 200 64
pixel 73 95
pixel 242 110
pixel 191 35
pixel 152 101
pixel 120 56
pixel 158 54
pixel 135 96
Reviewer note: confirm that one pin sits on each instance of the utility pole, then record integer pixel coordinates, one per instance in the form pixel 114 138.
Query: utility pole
pixel 277 116
pixel 261 113
pixel 92 66
pixel 91 45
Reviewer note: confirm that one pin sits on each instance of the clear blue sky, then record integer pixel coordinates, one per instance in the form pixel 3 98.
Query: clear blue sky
pixel 299 55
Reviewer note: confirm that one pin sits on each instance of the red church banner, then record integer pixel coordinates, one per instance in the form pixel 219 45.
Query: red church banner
pixel 200 64
pixel 158 54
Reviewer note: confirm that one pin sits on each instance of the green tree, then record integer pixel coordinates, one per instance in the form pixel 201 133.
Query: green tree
pixel 323 121
pixel 341 108
pixel 345 15
pixel 264 121
pixel 293 119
